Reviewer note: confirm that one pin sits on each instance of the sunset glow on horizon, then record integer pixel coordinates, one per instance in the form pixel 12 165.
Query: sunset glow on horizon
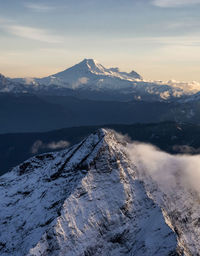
pixel 159 39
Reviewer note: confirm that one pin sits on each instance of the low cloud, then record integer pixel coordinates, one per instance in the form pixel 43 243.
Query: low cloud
pixel 39 145
pixel 80 81
pixel 168 171
pixel 174 3
pixel 29 80
pixel 59 144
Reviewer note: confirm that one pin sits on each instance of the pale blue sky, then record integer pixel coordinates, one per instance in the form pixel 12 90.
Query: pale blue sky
pixel 160 39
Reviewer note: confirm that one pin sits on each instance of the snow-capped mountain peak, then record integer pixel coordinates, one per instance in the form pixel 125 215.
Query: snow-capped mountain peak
pixel 90 200
pixel 89 73
pixel 92 66
pixel 94 81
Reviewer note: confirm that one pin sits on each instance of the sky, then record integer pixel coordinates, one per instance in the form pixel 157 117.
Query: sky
pixel 159 39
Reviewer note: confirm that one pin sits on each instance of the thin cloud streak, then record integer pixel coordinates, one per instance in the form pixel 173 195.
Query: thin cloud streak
pixel 39 7
pixel 4 20
pixel 32 33
pixel 185 41
pixel 174 3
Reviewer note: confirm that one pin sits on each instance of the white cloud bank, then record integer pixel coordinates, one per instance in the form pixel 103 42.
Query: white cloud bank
pixel 174 3
pixel 167 170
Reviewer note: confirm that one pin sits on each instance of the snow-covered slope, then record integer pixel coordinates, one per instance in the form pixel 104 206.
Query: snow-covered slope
pixel 89 73
pixel 8 85
pixel 18 86
pixel 90 200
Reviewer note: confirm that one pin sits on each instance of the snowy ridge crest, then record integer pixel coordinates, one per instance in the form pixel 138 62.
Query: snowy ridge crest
pixel 85 200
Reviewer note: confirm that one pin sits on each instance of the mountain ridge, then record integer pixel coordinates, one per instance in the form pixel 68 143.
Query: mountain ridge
pixel 88 200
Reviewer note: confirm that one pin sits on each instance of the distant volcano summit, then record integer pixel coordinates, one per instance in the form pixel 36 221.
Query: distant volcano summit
pixel 93 67
pixel 87 71
pixel 91 80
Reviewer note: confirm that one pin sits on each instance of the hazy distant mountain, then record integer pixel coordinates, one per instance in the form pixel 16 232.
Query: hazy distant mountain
pixel 7 85
pixel 90 80
pixel 95 199
pixel 90 94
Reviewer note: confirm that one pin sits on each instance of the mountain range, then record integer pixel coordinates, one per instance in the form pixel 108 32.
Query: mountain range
pixel 95 199
pixel 91 80
pixel 90 94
